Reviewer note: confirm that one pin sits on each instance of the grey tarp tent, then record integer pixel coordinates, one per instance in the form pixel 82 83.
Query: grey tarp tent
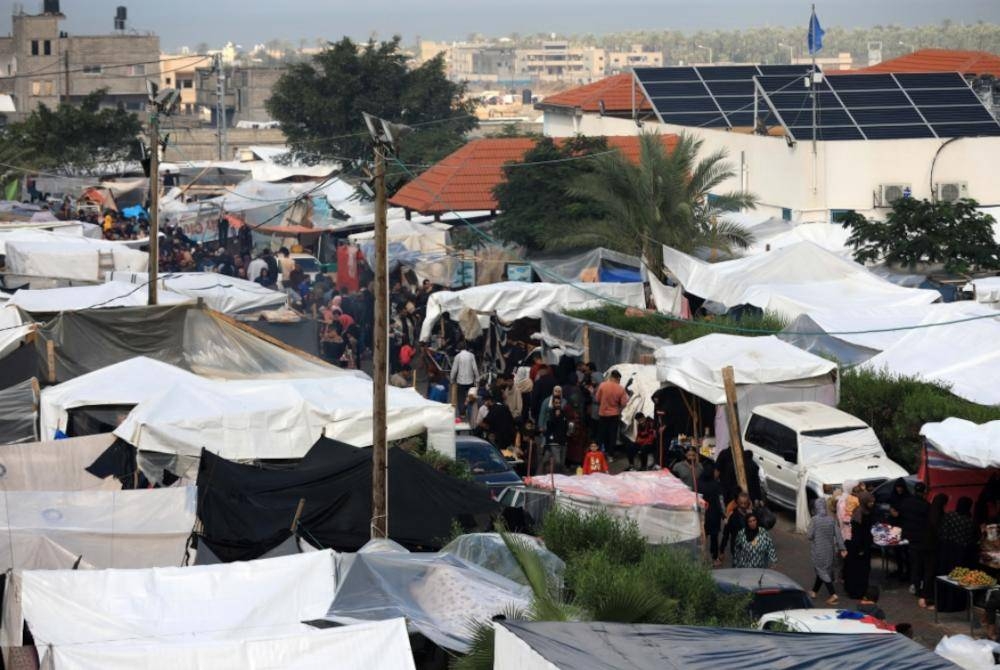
pixel 611 646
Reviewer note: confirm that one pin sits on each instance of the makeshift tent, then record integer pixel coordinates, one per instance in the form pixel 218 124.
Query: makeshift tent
pixel 441 596
pixel 380 645
pixel 246 510
pixel 808 335
pixel 794 280
pixel 766 370
pixel 121 529
pixel 72 258
pixel 987 290
pixel 830 236
pixel 74 607
pixel 603 345
pixel 488 550
pixel 229 295
pixel 595 265
pixel 960 457
pixel 99 296
pixel 518 300
pixel 663 507
pixel 18 410
pixel 13 328
pixel 584 645
pixel 59 465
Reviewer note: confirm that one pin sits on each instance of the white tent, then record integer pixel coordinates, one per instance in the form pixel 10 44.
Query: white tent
pixel 969 443
pixel 125 529
pixel 829 236
pixel 766 370
pixel 98 296
pixel 430 238
pixel 518 300
pixel 12 328
pixel 58 465
pixel 796 279
pixel 70 257
pixel 229 295
pixel 379 645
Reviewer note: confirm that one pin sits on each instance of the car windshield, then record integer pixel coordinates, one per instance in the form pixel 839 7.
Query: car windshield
pixel 482 458
pixel 307 264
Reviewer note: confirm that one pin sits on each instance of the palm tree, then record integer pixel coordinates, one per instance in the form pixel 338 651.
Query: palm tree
pixel 664 199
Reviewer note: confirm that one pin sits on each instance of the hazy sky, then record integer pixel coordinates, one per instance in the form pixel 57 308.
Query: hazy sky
pixel 246 22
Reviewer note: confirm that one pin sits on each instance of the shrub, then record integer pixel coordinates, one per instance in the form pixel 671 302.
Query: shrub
pixel 568 533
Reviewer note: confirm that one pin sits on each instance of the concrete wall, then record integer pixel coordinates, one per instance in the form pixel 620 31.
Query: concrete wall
pixel 198 144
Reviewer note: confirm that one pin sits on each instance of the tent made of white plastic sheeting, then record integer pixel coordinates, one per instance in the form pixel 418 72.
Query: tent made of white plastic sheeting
pixel 440 595
pixel 490 551
pixel 830 236
pixel 18 413
pixel 68 257
pixel 987 290
pixel 595 265
pixel 97 296
pixel 424 247
pixel 57 465
pixel 229 295
pixel 379 645
pixel 797 279
pixel 225 601
pixel 642 381
pixel 432 238
pixel 564 334
pixel 109 529
pixel 514 300
pixel 973 444
pixel 13 329
pixel 766 370
pixel 815 451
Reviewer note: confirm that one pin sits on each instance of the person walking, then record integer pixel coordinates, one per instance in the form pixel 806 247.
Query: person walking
pixel 710 490
pixel 825 542
pixel 464 375
pixel 611 399
pixel 858 562
pixel 734 524
pixel 911 515
pixel 932 536
pixel 754 547
pixel 556 432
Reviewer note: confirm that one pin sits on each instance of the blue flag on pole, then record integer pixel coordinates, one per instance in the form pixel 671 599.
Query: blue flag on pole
pixel 816 33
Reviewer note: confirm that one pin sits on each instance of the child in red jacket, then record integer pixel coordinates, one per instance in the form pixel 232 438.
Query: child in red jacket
pixel 594 460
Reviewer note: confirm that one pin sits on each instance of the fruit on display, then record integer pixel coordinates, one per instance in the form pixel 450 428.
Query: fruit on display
pixel 967 577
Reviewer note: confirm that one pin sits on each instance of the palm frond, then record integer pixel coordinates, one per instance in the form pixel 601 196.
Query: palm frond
pixel 546 604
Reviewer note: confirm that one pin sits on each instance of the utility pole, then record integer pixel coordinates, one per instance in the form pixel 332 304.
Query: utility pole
pixel 154 200
pixel 220 106
pixel 384 135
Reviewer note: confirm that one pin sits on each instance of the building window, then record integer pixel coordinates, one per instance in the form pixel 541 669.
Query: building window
pixel 838 215
pixel 168 81
pixel 36 88
pixel 47 47
pixel 39 88
pixel 93 69
pixel 34 47
pixel 786 214
pixel 137 70
pixel 187 83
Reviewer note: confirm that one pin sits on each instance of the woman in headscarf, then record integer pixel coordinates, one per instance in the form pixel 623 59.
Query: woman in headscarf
pixel 932 534
pixel 711 492
pixel 858 562
pixel 900 492
pixel 957 544
pixel 825 543
pixel 846 504
pixel 754 548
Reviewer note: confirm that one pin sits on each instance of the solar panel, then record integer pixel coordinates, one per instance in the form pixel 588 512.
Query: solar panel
pixel 848 106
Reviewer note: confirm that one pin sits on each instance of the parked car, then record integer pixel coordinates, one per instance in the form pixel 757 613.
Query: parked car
pixel 817 621
pixel 308 263
pixel 487 464
pixel 772 591
pixel 785 437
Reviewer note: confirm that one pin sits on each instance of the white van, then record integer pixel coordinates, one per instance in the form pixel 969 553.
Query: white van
pixel 831 446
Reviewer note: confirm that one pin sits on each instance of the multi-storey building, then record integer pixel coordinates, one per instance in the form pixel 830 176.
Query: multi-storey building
pixel 616 62
pixel 557 61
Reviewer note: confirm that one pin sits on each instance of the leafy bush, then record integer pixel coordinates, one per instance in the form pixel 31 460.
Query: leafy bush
pixel 568 533
pixel 896 407
pixel 677 331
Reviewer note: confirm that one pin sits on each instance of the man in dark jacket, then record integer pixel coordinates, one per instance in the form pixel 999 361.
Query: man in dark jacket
pixel 912 519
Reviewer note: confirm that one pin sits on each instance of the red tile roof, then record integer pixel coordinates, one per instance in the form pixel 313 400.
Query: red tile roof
pixel 464 180
pixel 937 60
pixel 615 91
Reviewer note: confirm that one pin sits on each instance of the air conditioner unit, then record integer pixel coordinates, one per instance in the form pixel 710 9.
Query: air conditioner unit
pixel 951 191
pixel 890 193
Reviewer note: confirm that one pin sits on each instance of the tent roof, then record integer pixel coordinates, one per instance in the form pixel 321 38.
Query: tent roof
pixel 99 296
pixel 793 280
pixel 607 646
pixel 229 295
pixel 57 465
pixel 696 366
pixel 974 444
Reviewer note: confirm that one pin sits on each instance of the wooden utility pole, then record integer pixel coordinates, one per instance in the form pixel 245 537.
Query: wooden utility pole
pixel 154 200
pixel 733 414
pixel 380 356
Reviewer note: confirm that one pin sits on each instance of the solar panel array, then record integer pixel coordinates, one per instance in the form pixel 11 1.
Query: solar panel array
pixel 848 106
pixel 717 96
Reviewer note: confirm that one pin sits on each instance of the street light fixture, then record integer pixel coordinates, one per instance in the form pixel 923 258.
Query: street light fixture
pixel 791 51
pixel 709 49
pixel 911 47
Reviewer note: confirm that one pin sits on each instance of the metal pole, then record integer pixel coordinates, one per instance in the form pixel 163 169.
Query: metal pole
pixel 154 201
pixel 380 521
pixel 220 105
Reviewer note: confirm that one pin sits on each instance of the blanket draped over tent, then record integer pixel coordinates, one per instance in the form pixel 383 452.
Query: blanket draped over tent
pixel 246 510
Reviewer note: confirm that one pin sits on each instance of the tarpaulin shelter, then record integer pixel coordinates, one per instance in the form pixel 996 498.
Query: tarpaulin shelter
pixel 71 257
pixel 108 607
pixel 56 465
pixel 379 645
pixel 97 296
pixel 595 265
pixel 441 595
pixel 766 370
pixel 247 509
pixel 663 507
pixel 959 457
pixel 13 328
pixel 490 551
pixel 229 295
pixel 18 412
pixel 584 645
pixel 514 300
pixel 796 279
pixel 603 345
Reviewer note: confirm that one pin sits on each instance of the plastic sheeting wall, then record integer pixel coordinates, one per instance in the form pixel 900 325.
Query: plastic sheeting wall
pixel 18 412
pixel 59 465
pixel 608 346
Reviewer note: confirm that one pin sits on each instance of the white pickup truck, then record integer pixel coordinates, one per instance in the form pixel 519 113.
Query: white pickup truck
pixel 829 445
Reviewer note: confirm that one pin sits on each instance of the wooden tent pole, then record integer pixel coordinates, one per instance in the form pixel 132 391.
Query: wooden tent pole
pixel 733 414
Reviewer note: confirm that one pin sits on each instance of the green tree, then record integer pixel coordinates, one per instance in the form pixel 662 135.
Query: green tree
pixel 75 137
pixel 955 234
pixel 319 103
pixel 664 199
pixel 532 198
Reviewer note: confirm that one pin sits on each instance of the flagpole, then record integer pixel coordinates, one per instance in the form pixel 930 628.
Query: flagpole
pixel 812 86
